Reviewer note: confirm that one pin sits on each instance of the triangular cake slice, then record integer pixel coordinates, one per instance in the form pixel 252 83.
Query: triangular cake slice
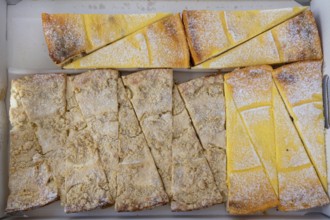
pixel 43 99
pixel 161 44
pixel 210 33
pixel 139 185
pixel 249 188
pixel 299 185
pixel 294 40
pixel 193 184
pixel 300 85
pixel 205 102
pixel 95 97
pixel 31 183
pixel 72 35
pixel 150 92
pixel 251 89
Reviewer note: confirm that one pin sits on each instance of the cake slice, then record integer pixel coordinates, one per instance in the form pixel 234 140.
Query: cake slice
pixel 210 33
pixel 193 183
pixel 299 185
pixel 150 92
pixel 249 188
pixel 70 36
pixel 251 89
pixel 43 98
pixel 95 93
pixel 300 85
pixel 205 102
pixel 31 182
pixel 161 44
pixel 139 185
pixel 294 40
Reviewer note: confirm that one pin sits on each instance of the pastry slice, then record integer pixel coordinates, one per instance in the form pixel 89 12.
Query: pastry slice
pixel 193 183
pixel 43 99
pixel 70 36
pixel 251 89
pixel 300 85
pixel 161 44
pixel 31 182
pixel 86 185
pixel 299 185
pixel 249 188
pixel 95 93
pixel 210 33
pixel 139 185
pixel 150 92
pixel 205 102
pixel 294 40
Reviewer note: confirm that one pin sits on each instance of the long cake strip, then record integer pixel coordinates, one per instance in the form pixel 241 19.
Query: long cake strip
pixel 299 185
pixel 251 89
pixel 70 36
pixel 193 184
pixel 300 85
pixel 249 188
pixel 160 45
pixel 139 185
pixel 204 100
pixel 294 40
pixel 31 183
pixel 95 93
pixel 43 98
pixel 210 33
pixel 150 93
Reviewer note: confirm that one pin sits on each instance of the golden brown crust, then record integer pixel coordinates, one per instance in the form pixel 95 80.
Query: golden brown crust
pixel 214 37
pixel 61 45
pixel 298 38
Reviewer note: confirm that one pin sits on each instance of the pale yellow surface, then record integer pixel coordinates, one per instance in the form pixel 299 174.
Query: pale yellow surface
pixel 299 185
pixel 249 189
pixel 161 44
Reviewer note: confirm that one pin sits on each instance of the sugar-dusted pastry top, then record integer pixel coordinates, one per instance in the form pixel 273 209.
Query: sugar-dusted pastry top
pixel 296 39
pixel 139 185
pixel 150 92
pixel 295 169
pixel 300 85
pixel 251 89
pixel 249 188
pixel 159 45
pixel 193 184
pixel 70 36
pixel 210 33
pixel 204 100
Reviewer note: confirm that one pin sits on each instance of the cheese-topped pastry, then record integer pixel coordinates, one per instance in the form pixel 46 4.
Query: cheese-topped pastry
pixel 299 185
pixel 95 93
pixel 294 40
pixel 150 92
pixel 204 100
pixel 139 185
pixel 300 85
pixel 193 184
pixel 249 188
pixel 72 35
pixel 31 182
pixel 161 44
pixel 210 33
pixel 251 89
pixel 43 99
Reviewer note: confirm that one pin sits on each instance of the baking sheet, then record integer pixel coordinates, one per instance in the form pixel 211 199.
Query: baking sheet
pixel 27 53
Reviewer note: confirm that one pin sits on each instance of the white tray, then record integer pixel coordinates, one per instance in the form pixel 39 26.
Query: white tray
pixel 23 51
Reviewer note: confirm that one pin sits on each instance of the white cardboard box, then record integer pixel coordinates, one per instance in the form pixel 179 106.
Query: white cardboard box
pixel 23 51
